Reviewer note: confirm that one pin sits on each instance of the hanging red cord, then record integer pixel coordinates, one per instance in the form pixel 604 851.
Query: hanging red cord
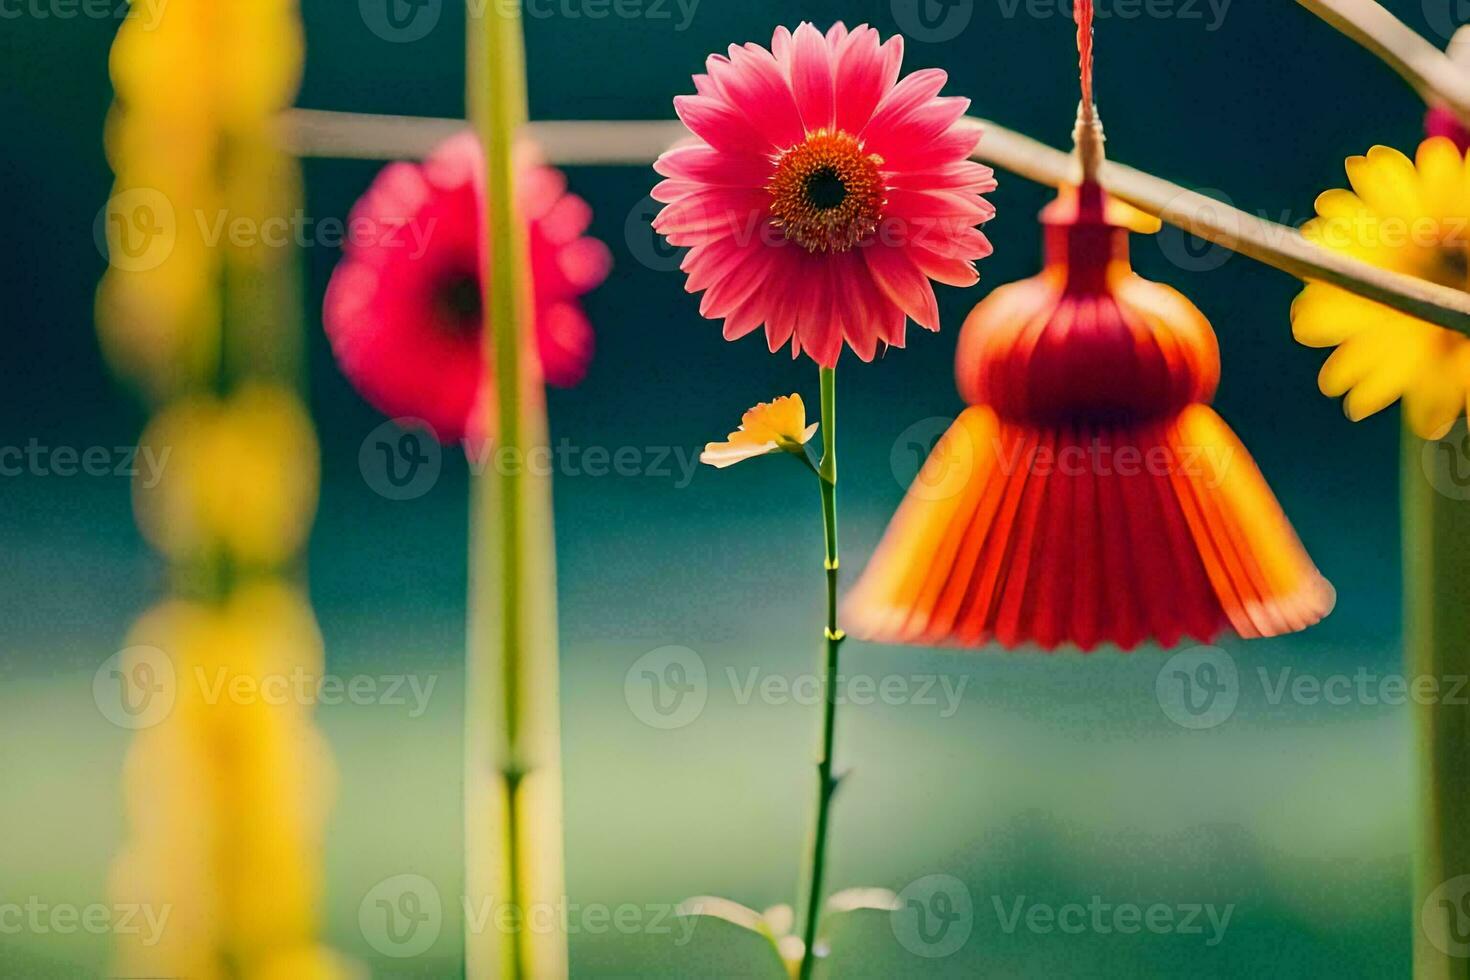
pixel 1083 12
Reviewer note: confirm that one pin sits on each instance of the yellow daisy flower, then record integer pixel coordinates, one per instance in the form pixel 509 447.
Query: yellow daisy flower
pixel 771 427
pixel 1413 217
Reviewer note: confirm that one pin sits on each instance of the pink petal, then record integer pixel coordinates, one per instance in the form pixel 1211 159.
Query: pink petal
pixel 705 165
pixel 781 48
pixel 855 305
pixel 944 151
pixel 735 286
pixel 720 125
pixel 965 175
pixel 812 78
pixel 948 270
pixel 713 212
pixel 907 97
pixel 865 73
pixel 744 319
pixel 754 85
pixel 901 140
pixel 904 284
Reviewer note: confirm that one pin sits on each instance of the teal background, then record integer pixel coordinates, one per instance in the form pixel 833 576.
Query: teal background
pixel 1059 779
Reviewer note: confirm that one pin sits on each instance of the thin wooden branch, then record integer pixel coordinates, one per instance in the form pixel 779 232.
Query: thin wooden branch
pixel 1265 241
pixel 1431 72
pixel 330 134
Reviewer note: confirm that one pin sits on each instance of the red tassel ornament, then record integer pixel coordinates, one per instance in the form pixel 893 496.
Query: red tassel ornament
pixel 1090 494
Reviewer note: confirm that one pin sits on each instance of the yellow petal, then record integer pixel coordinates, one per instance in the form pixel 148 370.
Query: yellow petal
pixel 1410 216
pixel 775 426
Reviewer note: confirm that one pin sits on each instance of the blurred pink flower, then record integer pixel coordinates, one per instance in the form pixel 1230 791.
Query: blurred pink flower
pixel 403 309
pixel 821 194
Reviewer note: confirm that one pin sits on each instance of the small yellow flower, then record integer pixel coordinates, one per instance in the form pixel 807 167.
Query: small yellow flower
pixel 771 427
pixel 240 474
pixel 1413 217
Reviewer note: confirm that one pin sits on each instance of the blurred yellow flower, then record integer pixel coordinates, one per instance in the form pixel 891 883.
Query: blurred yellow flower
pixel 227 791
pixel 212 64
pixel 770 427
pixel 192 141
pixel 239 475
pixel 1413 217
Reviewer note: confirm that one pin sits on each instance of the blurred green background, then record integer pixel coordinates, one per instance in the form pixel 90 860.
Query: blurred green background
pixel 1058 780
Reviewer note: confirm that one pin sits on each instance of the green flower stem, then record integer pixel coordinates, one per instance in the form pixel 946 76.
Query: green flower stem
pixel 512 753
pixel 1436 530
pixel 826 782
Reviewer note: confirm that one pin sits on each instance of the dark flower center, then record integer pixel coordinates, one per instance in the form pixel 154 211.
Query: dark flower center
pixel 827 194
pixel 459 300
pixel 825 189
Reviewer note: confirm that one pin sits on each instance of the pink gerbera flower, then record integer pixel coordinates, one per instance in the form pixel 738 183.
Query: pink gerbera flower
pixel 403 309
pixel 821 194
